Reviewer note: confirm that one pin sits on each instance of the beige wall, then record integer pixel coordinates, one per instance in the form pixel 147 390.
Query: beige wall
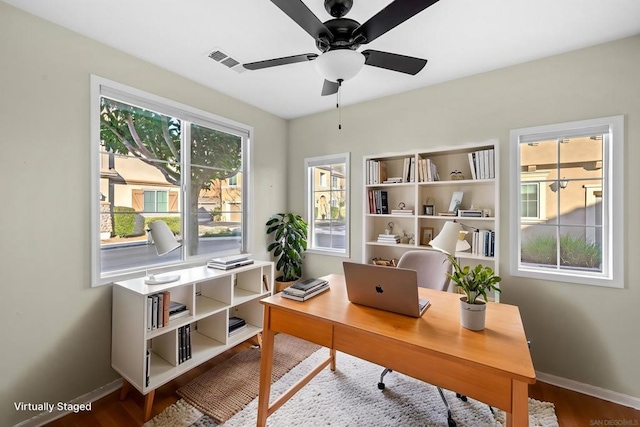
pixel 55 330
pixel 584 333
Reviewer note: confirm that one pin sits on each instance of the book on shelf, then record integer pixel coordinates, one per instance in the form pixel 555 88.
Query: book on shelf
pixel 231 259
pixel 184 343
pixel 179 314
pixel 229 266
pixel 308 295
pixel 388 238
pixel 482 164
pixel 393 180
pixel 401 211
pixel 237 330
pixel 236 324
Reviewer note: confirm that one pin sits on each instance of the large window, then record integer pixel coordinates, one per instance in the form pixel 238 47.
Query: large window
pixel 567 187
pixel 327 199
pixel 142 145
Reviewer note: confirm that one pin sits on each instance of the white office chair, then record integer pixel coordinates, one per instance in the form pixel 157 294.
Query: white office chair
pixel 432 267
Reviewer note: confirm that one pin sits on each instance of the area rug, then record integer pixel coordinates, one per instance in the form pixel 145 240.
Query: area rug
pixel 350 397
pixel 228 387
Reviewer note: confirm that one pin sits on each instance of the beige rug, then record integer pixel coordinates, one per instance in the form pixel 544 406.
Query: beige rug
pixel 228 387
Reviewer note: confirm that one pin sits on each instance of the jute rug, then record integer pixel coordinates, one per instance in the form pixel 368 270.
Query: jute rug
pixel 228 387
pixel 350 397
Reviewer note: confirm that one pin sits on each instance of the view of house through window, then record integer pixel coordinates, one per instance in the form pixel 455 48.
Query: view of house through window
pixel 141 180
pixel 327 181
pixel 564 224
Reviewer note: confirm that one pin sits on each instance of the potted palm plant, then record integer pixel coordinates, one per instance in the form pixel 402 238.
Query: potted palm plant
pixel 474 283
pixel 289 243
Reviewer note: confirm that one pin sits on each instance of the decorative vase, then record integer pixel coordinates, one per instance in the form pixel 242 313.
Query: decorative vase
pixel 472 315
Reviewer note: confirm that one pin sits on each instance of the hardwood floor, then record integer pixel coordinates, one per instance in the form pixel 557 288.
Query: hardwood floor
pixel 573 409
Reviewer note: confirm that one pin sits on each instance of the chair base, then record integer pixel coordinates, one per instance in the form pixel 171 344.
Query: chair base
pixel 450 421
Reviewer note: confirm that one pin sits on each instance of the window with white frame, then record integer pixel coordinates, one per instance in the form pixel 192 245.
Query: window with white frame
pixel 327 206
pixel 142 145
pixel 567 182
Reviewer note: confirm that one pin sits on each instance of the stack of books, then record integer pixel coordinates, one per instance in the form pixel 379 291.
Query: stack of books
pixel 401 211
pixel 392 239
pixel 305 289
pixel 177 310
pixel 229 262
pixel 236 324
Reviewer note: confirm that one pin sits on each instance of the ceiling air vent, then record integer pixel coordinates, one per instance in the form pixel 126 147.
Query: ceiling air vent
pixel 226 60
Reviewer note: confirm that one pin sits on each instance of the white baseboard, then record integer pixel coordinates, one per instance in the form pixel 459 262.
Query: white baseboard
pixel 47 417
pixel 590 390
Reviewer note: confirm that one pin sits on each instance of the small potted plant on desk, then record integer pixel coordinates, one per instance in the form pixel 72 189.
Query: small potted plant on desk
pixel 290 241
pixel 474 283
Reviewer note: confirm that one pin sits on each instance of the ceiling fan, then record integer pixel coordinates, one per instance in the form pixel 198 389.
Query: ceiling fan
pixel 339 38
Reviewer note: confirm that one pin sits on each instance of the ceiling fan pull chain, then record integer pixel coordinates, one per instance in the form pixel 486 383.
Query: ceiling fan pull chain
pixel 338 104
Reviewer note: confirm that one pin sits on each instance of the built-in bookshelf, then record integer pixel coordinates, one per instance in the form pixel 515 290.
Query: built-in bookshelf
pixel 415 190
pixel 148 351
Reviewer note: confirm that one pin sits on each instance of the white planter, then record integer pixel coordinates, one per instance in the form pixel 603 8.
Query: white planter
pixel 472 315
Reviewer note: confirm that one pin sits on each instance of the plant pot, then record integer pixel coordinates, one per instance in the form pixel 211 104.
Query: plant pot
pixel 280 285
pixel 472 315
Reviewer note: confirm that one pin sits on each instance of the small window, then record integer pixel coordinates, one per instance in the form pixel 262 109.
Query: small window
pixel 567 191
pixel 327 211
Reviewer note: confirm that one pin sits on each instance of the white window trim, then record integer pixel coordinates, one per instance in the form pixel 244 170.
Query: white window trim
pixel 613 220
pixel 309 205
pixel 100 86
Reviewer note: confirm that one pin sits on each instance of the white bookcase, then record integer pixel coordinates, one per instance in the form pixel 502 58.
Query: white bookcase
pixel 481 192
pixel 212 296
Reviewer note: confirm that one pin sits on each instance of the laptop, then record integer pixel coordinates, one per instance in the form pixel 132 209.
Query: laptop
pixel 385 288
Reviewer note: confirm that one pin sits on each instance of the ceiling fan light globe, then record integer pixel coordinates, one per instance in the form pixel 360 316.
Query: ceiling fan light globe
pixel 341 64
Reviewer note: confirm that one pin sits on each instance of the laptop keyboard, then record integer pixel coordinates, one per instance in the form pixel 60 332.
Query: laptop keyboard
pixel 422 303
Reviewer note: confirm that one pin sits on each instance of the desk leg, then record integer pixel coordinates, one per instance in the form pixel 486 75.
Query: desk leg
pixel 332 353
pixel 519 405
pixel 266 365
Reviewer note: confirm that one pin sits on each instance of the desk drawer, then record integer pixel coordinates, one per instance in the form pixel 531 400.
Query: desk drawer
pixel 302 326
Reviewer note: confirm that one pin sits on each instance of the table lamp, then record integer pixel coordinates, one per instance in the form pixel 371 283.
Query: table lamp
pixel 447 240
pixel 165 242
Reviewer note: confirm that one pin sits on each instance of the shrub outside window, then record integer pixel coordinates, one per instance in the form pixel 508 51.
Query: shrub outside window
pixel 141 146
pixel 567 186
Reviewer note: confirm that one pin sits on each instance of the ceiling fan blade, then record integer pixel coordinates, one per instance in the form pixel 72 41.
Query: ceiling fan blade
pixel 329 88
pixel 390 17
pixel 393 61
pixel 280 61
pixel 302 16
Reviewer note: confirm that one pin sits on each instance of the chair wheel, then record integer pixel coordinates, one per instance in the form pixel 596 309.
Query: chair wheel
pixel 380 386
pixel 451 422
pixel 461 397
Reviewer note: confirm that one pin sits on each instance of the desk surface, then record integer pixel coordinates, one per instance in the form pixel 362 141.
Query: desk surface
pixel 502 345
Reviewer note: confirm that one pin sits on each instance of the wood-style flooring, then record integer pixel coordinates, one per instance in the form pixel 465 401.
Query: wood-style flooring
pixel 573 409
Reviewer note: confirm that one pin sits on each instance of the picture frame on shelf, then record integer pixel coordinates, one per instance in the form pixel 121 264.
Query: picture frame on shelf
pixel 456 201
pixel 426 235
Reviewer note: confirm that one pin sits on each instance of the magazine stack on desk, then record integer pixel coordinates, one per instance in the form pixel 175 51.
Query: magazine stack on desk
pixel 305 289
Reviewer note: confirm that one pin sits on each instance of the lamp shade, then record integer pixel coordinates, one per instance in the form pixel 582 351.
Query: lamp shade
pixel 447 239
pixel 340 64
pixel 462 244
pixel 163 237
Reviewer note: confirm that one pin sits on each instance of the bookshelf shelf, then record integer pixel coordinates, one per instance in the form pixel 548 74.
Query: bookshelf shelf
pixel 431 180
pixel 212 296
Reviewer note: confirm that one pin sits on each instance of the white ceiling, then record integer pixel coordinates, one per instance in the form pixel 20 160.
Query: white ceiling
pixel 458 37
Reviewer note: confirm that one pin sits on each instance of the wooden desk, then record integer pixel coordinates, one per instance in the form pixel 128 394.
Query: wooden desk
pixel 493 366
